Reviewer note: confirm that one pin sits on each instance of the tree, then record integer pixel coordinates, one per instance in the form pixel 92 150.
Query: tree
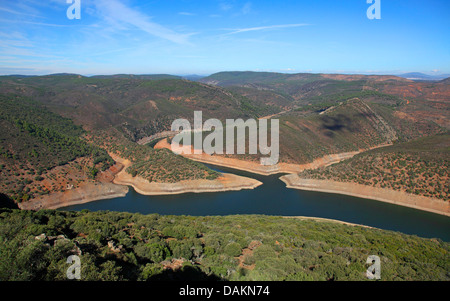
pixel 154 252
pixel 233 249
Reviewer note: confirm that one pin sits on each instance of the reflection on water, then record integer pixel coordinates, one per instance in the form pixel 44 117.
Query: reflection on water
pixel 273 198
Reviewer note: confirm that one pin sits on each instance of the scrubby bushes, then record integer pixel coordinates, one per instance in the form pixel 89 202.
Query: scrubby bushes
pixel 418 167
pixel 124 246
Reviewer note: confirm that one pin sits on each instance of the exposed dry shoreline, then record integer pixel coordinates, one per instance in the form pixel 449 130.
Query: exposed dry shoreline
pixel 327 220
pixel 375 193
pixel 256 167
pixel 226 182
pixel 353 189
pixel 115 182
pixel 85 193
pixel 121 180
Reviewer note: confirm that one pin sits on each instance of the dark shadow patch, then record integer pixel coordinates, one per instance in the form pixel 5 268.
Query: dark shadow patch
pixel 187 273
pixel 336 123
pixel 7 202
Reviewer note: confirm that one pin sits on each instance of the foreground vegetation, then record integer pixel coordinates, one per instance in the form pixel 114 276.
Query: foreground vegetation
pixel 124 246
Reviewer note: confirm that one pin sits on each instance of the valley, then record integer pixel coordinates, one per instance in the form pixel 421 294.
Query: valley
pixel 324 119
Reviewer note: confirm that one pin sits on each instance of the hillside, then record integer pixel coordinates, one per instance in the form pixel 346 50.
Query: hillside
pixel 305 86
pixel 139 76
pixel 354 122
pixel 154 165
pixel 43 153
pixel 40 148
pixel 135 105
pixel 124 246
pixel 422 76
pixel 320 114
pixel 418 167
pixel 324 114
pixel 298 86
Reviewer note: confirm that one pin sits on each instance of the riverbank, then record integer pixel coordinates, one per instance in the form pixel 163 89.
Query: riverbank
pixel 256 167
pixel 368 192
pixel 113 183
pixel 226 182
pixel 327 220
pixel 87 192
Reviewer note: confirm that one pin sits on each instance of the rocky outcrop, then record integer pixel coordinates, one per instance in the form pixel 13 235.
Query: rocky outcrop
pixel 52 241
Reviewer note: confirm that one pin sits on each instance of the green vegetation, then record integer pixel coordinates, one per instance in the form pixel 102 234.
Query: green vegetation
pixel 419 167
pixel 155 165
pixel 41 133
pixel 138 106
pixel 34 141
pixel 350 126
pixel 322 102
pixel 124 246
pixel 319 115
pixel 162 165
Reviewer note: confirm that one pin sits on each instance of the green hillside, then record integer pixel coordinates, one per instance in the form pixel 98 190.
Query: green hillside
pixel 135 105
pixel 319 115
pixel 154 165
pixel 124 246
pixel 419 166
pixel 34 141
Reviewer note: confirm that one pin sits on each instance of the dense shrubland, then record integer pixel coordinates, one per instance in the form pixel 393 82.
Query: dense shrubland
pixel 155 165
pixel 124 246
pixel 36 144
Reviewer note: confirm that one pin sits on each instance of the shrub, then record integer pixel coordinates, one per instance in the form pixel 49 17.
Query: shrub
pixel 233 249
pixel 154 252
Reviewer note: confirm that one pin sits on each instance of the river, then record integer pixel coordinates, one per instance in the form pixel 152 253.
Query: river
pixel 273 198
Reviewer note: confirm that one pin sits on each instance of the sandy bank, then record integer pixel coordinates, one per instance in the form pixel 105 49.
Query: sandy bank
pixel 327 220
pixel 87 192
pixel 256 167
pixel 226 182
pixel 375 193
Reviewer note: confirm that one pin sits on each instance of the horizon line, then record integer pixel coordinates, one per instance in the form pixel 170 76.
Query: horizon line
pixel 397 73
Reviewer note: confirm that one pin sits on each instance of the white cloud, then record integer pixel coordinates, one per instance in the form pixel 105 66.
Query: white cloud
pixel 20 13
pixel 114 10
pixel 183 13
pixel 225 6
pixel 247 8
pixel 240 30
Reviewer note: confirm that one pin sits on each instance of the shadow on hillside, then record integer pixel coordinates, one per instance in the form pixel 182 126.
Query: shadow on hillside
pixel 6 202
pixel 336 123
pixel 187 273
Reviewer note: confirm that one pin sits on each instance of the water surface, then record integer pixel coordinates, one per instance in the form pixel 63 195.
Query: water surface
pixel 273 198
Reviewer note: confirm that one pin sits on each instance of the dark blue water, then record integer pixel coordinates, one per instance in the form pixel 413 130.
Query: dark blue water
pixel 273 198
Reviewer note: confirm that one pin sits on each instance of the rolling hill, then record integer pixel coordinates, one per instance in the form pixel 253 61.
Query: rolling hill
pixel 320 114
pixel 422 76
pixel 419 167
pixel 138 106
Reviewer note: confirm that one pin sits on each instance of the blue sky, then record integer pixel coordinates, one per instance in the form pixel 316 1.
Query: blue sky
pixel 203 37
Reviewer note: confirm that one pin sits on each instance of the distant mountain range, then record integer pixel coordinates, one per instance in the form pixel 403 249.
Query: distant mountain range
pixel 193 77
pixel 423 76
pixel 242 77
